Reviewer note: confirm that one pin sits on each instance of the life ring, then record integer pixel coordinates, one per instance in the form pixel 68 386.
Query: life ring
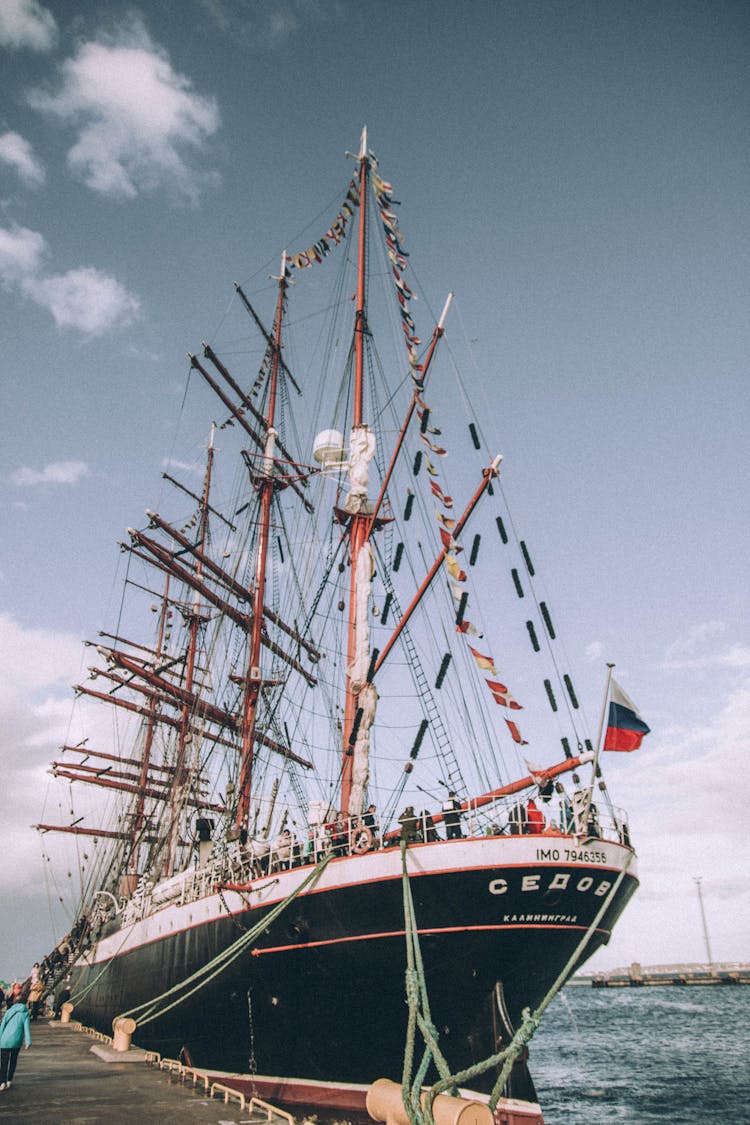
pixel 361 840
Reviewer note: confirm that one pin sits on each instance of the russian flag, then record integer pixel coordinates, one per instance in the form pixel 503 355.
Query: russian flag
pixel 625 727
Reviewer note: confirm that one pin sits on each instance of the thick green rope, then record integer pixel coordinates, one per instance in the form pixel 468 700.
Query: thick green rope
pixel 78 996
pixel 416 990
pixel 419 1010
pixel 154 1008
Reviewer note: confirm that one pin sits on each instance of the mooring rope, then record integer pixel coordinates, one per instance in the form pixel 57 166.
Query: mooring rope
pixel 154 1008
pixel 416 994
pixel 416 989
pixel 78 996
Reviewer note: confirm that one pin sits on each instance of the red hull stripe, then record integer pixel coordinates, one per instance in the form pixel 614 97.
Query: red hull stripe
pixel 422 933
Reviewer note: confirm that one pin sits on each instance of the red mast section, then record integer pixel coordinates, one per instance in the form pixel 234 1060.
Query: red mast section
pixel 253 680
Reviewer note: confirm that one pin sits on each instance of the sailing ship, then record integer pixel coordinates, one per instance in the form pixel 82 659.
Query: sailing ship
pixel 323 709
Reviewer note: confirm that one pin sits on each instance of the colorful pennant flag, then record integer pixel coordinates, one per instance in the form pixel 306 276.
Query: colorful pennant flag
pixel 515 733
pixel 483 662
pixel 336 232
pixel 447 501
pixel 502 696
pixel 468 628
pixel 454 569
pixel 449 542
pixel 436 449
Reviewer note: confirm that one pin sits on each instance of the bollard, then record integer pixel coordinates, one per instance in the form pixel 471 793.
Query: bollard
pixel 385 1103
pixel 65 1012
pixel 123 1033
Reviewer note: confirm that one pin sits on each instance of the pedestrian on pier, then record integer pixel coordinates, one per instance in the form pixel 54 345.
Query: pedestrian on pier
pixel 15 1030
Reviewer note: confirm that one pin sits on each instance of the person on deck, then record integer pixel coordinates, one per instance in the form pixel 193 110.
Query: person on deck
pixel 370 821
pixel 534 818
pixel 409 825
pixel 15 1029
pixel 567 817
pixel 340 835
pixel 452 817
pixel 428 830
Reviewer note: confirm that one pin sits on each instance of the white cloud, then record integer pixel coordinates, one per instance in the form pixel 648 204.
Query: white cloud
pixel 694 651
pixel 271 23
pixel 141 353
pixel 694 639
pixel 56 472
pixel 16 151
pixel 84 298
pixel 283 23
pixel 594 651
pixel 37 667
pixel 32 660
pixel 136 117
pixel 27 23
pixel 193 468
pixel 21 252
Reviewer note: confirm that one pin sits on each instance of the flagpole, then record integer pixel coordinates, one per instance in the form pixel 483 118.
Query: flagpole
pixel 600 738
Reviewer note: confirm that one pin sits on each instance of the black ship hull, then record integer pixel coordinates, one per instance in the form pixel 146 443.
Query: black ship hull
pixel 321 993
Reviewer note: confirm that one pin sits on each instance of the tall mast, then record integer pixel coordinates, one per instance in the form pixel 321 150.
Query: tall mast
pixel 360 322
pixel 185 740
pixel 253 681
pixel 358 711
pixel 138 816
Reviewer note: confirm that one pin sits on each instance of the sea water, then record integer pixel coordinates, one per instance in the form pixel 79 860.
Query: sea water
pixel 634 1056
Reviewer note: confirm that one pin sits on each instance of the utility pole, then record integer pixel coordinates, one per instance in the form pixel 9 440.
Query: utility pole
pixel 698 882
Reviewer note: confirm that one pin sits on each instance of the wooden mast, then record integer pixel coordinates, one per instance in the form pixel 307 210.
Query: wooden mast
pixel 138 816
pixel 183 768
pixel 360 521
pixel 253 680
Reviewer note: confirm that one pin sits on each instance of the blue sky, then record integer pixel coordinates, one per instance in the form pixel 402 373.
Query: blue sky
pixel 577 173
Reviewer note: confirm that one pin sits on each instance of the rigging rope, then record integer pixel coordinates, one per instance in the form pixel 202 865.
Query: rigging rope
pixel 153 1009
pixel 416 993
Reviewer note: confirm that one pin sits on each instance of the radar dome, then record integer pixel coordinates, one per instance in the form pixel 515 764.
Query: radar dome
pixel 328 447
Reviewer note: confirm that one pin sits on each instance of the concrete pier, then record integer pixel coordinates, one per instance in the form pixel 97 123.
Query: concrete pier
pixel 640 976
pixel 61 1081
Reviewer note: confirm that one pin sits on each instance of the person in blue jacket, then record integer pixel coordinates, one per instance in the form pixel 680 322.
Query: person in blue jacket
pixel 15 1029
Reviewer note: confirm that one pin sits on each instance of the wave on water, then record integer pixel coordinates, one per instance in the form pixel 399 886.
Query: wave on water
pixel 637 1056
pixel 675 1005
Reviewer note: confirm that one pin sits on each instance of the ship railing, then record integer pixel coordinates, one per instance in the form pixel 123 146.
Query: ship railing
pixel 614 826
pixel 354 836
pixel 139 903
pixel 236 863
pixel 558 817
